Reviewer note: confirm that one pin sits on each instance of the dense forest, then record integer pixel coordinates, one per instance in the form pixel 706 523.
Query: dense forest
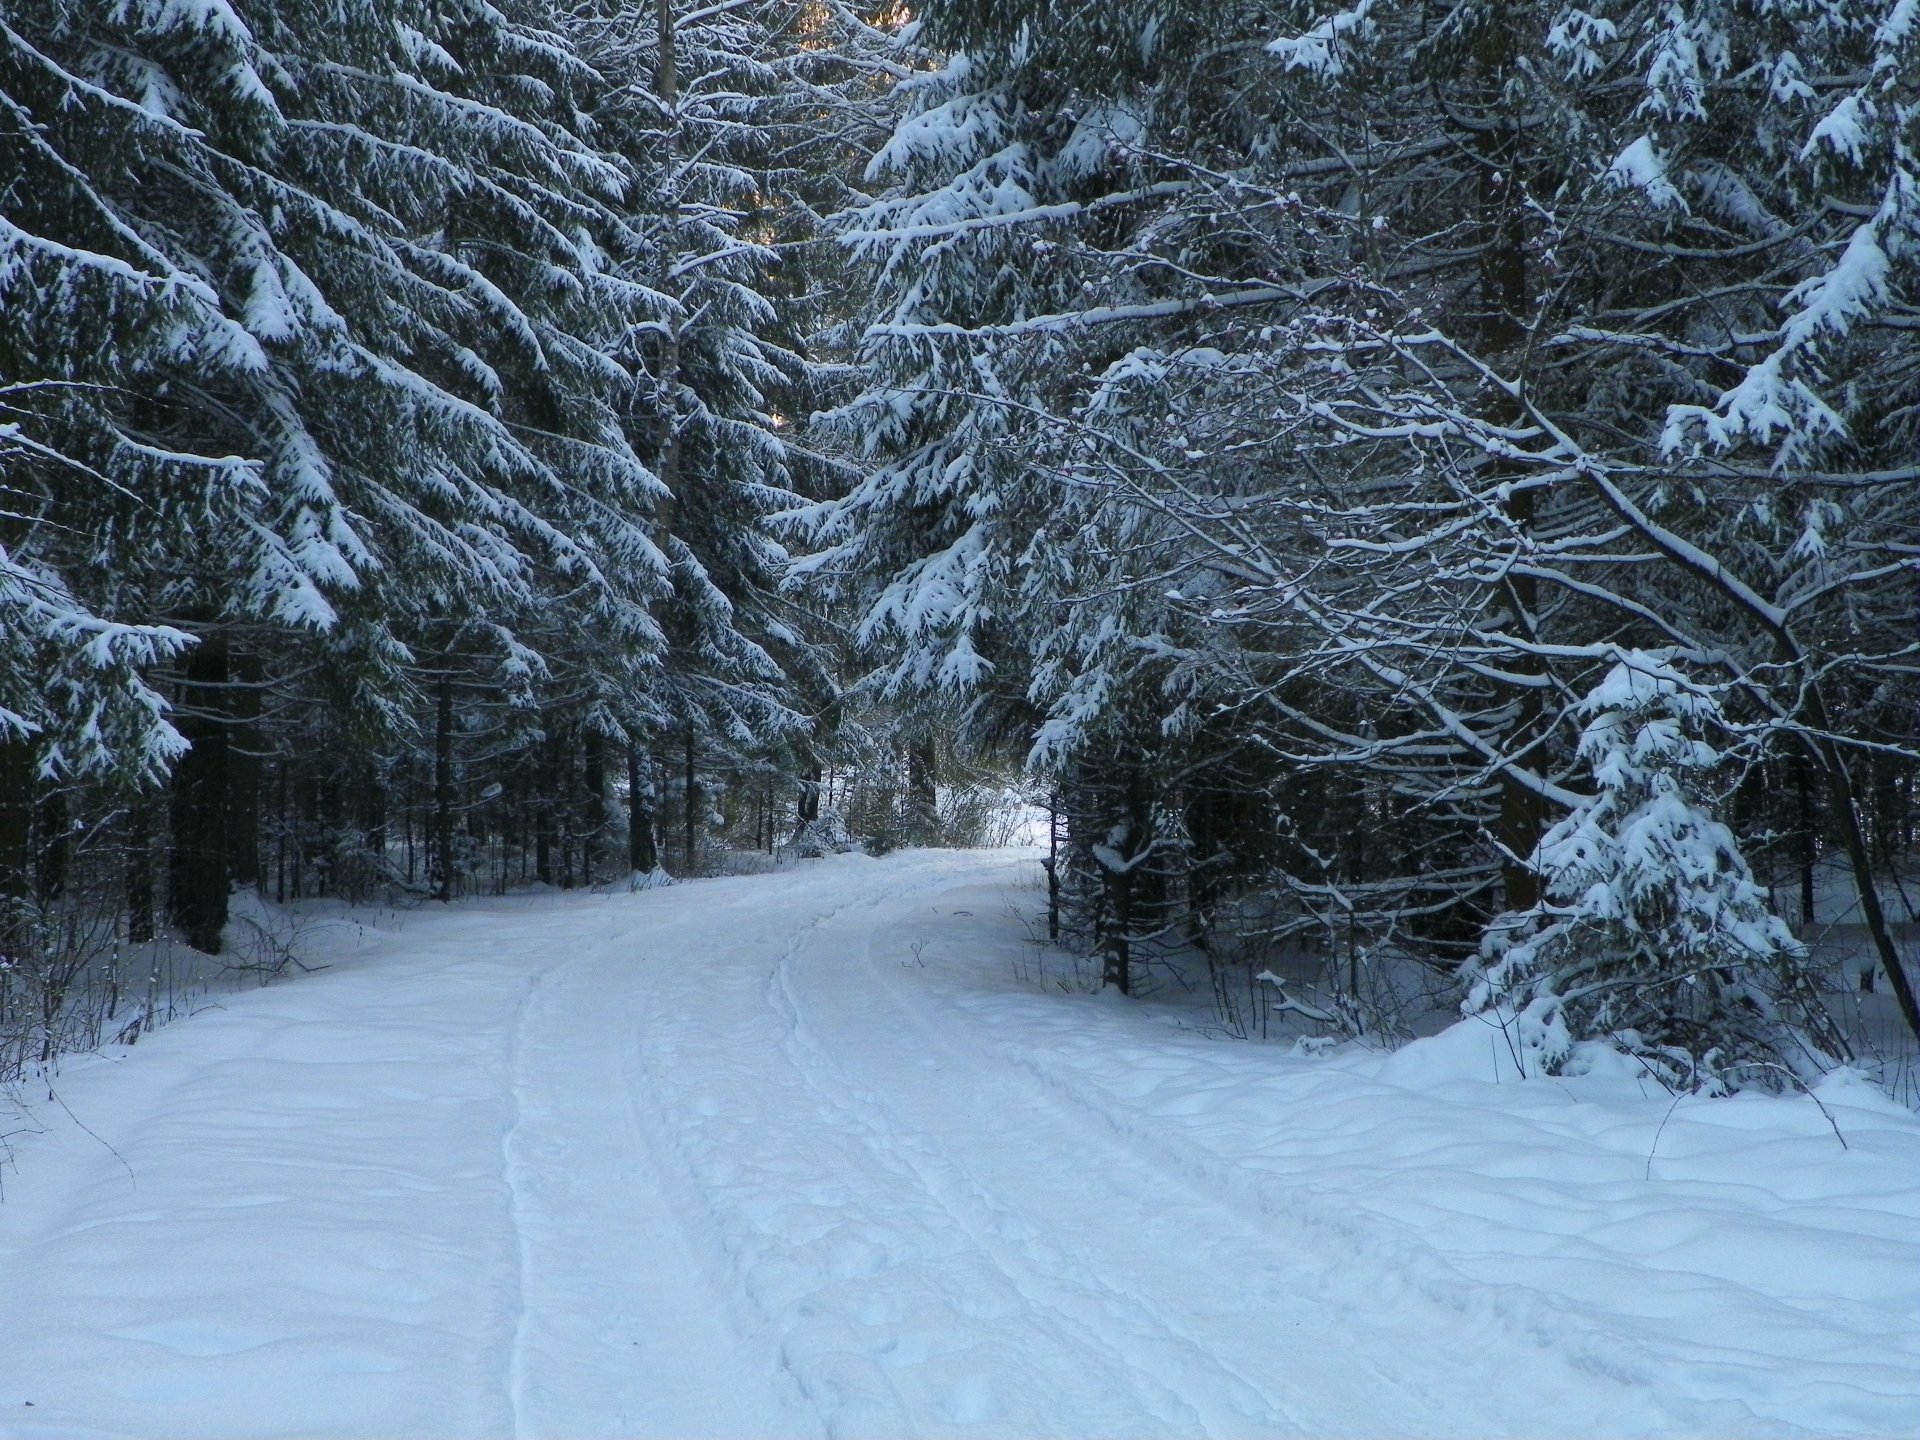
pixel 1424 480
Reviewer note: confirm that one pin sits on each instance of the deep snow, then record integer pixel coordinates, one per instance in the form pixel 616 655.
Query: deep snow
pixel 801 1153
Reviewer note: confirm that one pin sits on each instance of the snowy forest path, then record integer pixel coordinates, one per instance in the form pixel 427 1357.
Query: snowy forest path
pixel 1209 1318
pixel 781 1156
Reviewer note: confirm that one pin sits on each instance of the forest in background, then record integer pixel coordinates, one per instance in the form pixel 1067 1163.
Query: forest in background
pixel 1431 481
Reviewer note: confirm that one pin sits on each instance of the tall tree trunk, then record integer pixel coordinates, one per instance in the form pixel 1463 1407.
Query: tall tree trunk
pixel 297 846
pixel 52 838
pixel 593 788
pixel 53 823
pixel 373 813
pixel 1125 842
pixel 643 852
pixel 139 870
pixel 1052 864
pixel 546 801
pixel 1809 840
pixel 923 793
pixel 1505 300
pixel 566 790
pixel 244 768
pixel 197 863
pixel 16 851
pixel 666 87
pixel 443 792
pixel 283 831
pixel 1844 813
pixel 666 75
pixel 692 798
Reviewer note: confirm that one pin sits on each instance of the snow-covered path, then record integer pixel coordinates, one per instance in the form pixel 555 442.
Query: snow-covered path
pixel 794 1155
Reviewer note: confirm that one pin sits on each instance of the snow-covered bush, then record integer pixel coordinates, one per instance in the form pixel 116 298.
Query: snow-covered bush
pixel 1652 936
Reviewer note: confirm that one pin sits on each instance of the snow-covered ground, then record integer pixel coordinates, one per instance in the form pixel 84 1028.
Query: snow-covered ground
pixel 802 1154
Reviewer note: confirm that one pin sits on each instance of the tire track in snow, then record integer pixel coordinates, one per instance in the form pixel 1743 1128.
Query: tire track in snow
pixel 1400 1265
pixel 1042 1275
pixel 990 1228
pixel 888 1156
pixel 894 1147
pixel 514 1181
pixel 891 1316
pixel 624 1332
pixel 1404 1399
pixel 672 1100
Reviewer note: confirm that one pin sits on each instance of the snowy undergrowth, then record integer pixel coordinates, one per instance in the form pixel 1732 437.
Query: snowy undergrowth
pixel 1861 1002
pixel 94 987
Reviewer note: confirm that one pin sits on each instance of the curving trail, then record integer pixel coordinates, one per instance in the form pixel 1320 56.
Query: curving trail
pixel 795 1156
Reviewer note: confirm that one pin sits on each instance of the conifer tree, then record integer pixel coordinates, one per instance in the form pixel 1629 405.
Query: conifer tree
pixel 1652 935
pixel 386 378
pixel 713 107
pixel 1365 375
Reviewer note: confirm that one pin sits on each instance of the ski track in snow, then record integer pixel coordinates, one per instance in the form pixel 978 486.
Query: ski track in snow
pixel 515 1181
pixel 736 1159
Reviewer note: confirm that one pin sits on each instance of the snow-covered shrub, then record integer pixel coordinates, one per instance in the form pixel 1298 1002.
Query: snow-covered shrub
pixel 1652 936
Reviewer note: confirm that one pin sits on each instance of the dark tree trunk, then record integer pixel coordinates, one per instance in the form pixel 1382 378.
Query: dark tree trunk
pixel 567 809
pixel 282 830
pixel 643 852
pixel 244 768
pixel 1886 803
pixel 666 77
pixel 593 787
pixel 923 794
pixel 16 849
pixel 1128 840
pixel 139 871
pixel 329 830
pixel 197 863
pixel 297 846
pixel 373 814
pixel 1117 946
pixel 1504 297
pixel 666 457
pixel 1053 867
pixel 1845 813
pixel 53 825
pixel 1809 840
pixel 546 820
pixel 443 792
pixel 810 797
pixel 692 794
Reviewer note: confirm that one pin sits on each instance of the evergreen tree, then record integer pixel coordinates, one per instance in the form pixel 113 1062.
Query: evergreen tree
pixel 714 112
pixel 1368 376
pixel 384 379
pixel 1652 935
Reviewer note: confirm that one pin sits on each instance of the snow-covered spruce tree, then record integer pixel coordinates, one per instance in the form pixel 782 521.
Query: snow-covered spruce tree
pixel 112 343
pixel 1070 344
pixel 1652 936
pixel 930 548
pixel 535 621
pixel 125 374
pixel 1418 291
pixel 383 237
pixel 716 111
pixel 1715 369
pixel 930 538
